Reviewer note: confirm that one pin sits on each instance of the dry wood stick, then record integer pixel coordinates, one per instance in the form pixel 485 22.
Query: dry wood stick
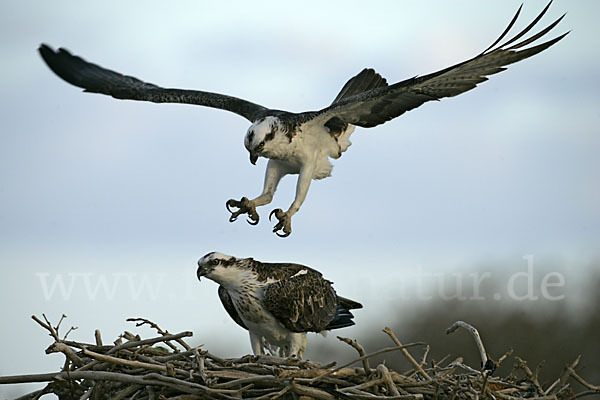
pixel 425 354
pixel 142 321
pixel 375 353
pixel 366 395
pixel 364 385
pixel 311 392
pixel 250 379
pixel 387 379
pixel 98 337
pixel 149 341
pixel 533 378
pixel 129 390
pixel 360 350
pixel 476 337
pixel 582 381
pixel 57 347
pixel 410 358
pixel 504 357
pixel 557 386
pixel 46 325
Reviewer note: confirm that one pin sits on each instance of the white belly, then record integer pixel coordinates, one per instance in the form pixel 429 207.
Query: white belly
pixel 311 145
pixel 258 320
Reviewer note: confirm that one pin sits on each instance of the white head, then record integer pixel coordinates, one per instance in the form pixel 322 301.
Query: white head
pixel 260 137
pixel 221 268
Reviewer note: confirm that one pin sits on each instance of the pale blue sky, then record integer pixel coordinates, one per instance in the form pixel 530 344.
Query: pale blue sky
pixel 94 187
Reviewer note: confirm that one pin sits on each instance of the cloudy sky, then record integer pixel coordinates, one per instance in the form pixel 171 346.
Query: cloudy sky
pixel 106 205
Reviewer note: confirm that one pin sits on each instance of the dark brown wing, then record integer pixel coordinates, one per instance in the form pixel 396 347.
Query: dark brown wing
pixel 376 106
pixel 366 80
pixel 303 303
pixel 278 271
pixel 229 307
pixel 96 79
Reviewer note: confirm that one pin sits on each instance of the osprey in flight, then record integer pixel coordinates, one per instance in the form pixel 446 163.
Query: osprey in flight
pixel 276 302
pixel 302 143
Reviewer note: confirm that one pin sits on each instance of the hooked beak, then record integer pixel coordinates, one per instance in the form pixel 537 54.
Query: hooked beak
pixel 201 272
pixel 253 157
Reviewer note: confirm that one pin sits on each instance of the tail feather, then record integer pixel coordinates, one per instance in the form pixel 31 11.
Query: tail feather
pixel 343 316
pixel 349 304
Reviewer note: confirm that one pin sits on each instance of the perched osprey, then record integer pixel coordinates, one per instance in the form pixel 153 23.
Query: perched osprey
pixel 302 143
pixel 276 302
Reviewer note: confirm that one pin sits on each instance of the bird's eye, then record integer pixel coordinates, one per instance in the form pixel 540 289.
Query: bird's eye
pixel 214 262
pixel 260 146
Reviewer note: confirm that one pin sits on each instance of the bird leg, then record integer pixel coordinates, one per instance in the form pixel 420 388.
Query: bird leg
pixel 285 217
pixel 273 174
pixel 256 342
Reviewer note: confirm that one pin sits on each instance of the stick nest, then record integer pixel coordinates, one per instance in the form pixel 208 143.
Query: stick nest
pixel 166 367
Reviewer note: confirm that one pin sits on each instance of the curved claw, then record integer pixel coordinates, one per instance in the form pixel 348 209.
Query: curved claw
pixel 277 212
pixel 282 235
pixel 232 203
pixel 284 223
pixel 244 206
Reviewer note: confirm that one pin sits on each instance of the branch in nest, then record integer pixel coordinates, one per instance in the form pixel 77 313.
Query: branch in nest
pixel 410 358
pixel 486 363
pixel 165 338
pixel 361 352
pixel 144 321
pixel 137 370
pixel 376 353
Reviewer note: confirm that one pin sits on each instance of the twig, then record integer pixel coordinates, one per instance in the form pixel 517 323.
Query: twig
pixel 586 393
pixel 143 321
pixel 533 378
pixel 134 364
pixel 484 357
pixel 311 392
pixel 57 347
pixel 582 381
pixel 360 350
pixel 71 329
pixel 504 357
pixel 57 327
pixel 387 379
pixel 276 395
pixel 47 326
pixel 557 386
pixel 410 358
pixel 242 381
pixel 437 391
pixel 467 368
pixel 98 337
pixel 425 354
pixel 376 353
pixel 364 385
pixel 129 390
pixel 86 395
pixel 166 338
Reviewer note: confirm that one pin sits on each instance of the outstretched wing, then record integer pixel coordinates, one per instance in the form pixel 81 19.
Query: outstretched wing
pixel 229 307
pixel 96 79
pixel 384 103
pixel 366 80
pixel 305 302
